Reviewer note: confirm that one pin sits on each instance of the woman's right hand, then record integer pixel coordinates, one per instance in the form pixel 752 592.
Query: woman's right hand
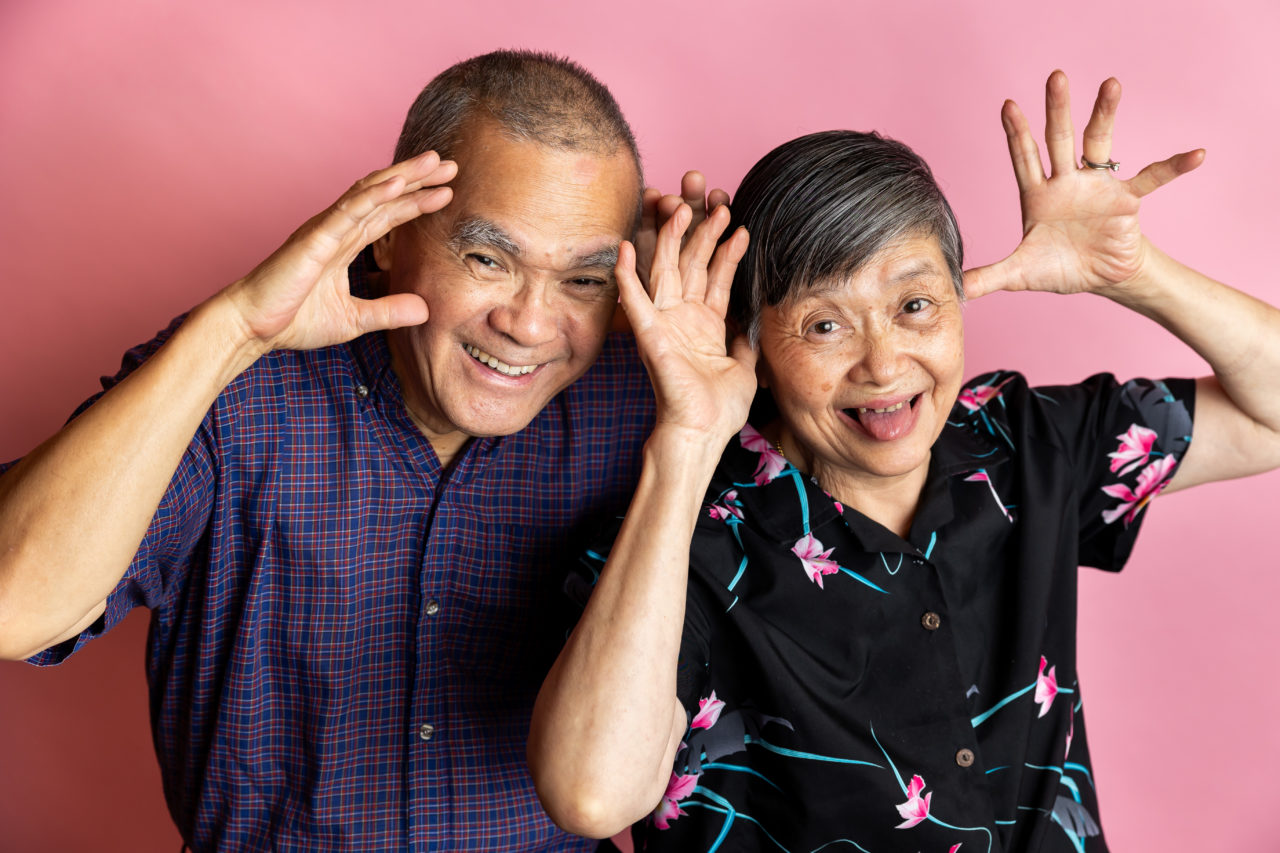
pixel 300 297
pixel 700 385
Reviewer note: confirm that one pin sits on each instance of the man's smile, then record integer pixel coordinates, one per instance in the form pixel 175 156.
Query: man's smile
pixel 500 366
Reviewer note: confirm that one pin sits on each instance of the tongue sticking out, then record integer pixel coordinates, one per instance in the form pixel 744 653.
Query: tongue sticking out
pixel 886 426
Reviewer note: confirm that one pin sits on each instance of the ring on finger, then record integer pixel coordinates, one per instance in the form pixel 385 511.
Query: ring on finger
pixel 1110 165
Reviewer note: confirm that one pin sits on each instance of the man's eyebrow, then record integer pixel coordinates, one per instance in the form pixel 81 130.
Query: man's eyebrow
pixel 481 232
pixel 477 231
pixel 606 257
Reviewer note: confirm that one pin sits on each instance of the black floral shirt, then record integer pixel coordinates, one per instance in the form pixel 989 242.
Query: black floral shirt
pixel 851 690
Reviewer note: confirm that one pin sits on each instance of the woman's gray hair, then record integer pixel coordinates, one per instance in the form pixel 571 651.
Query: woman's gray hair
pixel 819 207
pixel 536 97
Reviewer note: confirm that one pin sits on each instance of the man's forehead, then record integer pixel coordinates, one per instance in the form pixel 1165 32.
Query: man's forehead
pixel 493 161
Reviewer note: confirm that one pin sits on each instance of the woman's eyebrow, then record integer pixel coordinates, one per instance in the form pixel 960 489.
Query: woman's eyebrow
pixel 919 269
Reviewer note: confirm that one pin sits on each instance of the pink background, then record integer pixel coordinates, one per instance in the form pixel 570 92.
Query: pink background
pixel 153 151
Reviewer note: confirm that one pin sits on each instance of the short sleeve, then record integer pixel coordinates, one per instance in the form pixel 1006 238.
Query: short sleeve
pixel 159 566
pixel 1123 443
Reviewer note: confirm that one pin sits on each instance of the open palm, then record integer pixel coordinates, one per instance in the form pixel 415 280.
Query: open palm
pixel 300 297
pixel 700 385
pixel 1080 226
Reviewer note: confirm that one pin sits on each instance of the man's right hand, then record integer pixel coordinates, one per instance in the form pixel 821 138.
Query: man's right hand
pixel 73 512
pixel 300 298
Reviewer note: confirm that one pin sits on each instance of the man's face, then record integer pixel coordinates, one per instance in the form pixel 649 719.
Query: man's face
pixel 517 273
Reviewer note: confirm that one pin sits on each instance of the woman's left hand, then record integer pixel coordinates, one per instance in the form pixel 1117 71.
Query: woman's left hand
pixel 701 386
pixel 1080 225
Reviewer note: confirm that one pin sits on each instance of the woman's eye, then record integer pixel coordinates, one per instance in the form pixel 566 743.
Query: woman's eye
pixel 914 306
pixel 825 327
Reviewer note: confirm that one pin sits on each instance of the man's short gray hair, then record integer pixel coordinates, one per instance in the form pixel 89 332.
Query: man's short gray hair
pixel 536 97
pixel 820 206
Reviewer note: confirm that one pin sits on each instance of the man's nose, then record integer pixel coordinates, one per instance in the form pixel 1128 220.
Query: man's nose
pixel 527 316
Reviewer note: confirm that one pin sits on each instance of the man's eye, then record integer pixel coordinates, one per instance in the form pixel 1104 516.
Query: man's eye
pixel 915 306
pixel 588 282
pixel 485 261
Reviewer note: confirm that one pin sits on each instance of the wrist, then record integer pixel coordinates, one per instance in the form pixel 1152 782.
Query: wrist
pixel 224 336
pixel 685 445
pixel 1143 288
pixel 684 458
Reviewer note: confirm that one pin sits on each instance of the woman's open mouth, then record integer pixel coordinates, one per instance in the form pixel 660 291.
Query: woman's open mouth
pixel 888 423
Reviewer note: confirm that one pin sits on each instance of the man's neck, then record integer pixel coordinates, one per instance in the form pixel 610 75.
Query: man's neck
pixel 446 445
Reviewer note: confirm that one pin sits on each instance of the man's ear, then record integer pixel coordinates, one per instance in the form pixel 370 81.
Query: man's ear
pixel 384 249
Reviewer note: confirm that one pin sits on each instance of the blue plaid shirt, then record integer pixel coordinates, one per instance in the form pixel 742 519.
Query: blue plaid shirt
pixel 345 645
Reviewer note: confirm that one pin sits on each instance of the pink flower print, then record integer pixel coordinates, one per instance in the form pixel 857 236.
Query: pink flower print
pixel 1046 686
pixel 728 508
pixel 771 461
pixel 978 396
pixel 981 476
pixel 666 812
pixel 1134 449
pixel 1151 481
pixel 678 788
pixel 916 808
pixel 708 712
pixel 816 561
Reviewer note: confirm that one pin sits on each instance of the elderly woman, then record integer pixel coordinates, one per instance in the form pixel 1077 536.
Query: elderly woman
pixel 857 631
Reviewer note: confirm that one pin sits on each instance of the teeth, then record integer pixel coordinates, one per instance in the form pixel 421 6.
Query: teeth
pixel 500 366
pixel 863 410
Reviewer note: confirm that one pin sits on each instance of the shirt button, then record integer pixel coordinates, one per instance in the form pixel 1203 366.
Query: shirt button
pixel 931 621
pixel 362 391
pixel 433 607
pixel 426 731
pixel 964 757
pixel 918 561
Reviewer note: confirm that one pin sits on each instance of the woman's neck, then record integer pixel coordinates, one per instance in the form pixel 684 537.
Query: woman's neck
pixel 891 501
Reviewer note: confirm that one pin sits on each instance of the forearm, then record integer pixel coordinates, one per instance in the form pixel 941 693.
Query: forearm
pixel 1238 410
pixel 607 722
pixel 73 512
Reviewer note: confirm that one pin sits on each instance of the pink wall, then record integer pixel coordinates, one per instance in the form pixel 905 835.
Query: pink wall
pixel 153 151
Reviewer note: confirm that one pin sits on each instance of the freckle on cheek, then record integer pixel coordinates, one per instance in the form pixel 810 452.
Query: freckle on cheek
pixel 826 386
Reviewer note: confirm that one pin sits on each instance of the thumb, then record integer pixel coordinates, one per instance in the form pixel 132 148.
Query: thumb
pixel 1002 275
pixel 390 312
pixel 741 351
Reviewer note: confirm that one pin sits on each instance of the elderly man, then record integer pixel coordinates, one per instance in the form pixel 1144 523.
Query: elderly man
pixel 341 510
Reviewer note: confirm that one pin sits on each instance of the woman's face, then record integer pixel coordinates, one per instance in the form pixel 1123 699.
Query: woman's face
pixel 889 338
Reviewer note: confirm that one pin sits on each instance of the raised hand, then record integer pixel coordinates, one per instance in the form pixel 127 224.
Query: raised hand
pixel 1080 224
pixel 657 209
pixel 300 298
pixel 679 324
